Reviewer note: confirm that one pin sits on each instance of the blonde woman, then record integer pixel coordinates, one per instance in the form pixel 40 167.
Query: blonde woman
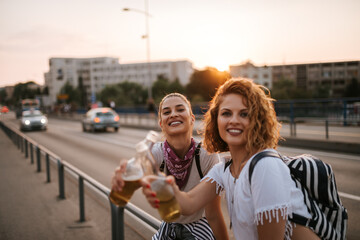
pixel 177 157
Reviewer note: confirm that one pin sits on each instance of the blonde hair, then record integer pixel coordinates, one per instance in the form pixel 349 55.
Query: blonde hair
pixel 179 95
pixel 264 129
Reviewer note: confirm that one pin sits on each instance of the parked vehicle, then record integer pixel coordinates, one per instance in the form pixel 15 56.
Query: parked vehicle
pixel 33 120
pixel 100 119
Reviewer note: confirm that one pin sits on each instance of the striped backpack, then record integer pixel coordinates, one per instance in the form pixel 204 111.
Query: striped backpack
pixel 316 180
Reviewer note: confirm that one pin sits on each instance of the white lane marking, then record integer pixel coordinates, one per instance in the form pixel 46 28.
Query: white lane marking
pixel 350 196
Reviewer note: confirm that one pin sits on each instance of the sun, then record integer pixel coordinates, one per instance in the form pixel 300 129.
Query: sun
pixel 221 66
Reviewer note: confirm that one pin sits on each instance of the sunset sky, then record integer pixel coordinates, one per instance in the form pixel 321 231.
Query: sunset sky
pixel 215 33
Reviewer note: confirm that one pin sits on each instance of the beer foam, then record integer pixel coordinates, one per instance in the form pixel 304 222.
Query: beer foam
pixel 163 190
pixel 132 175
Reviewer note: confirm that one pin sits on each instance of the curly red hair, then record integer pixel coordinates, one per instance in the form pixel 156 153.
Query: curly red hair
pixel 264 128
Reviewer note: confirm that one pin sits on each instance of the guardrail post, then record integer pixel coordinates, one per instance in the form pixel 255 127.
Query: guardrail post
pixel 327 129
pixel 81 199
pixel 21 144
pixel 38 159
pixel 61 180
pixel 47 160
pixel 31 154
pixel 292 128
pixel 26 149
pixel 117 222
pixel 18 141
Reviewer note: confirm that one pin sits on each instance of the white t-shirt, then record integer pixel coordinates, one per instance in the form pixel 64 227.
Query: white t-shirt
pixel 207 161
pixel 271 189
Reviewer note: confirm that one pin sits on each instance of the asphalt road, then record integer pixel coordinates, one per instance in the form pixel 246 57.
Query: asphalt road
pixel 98 154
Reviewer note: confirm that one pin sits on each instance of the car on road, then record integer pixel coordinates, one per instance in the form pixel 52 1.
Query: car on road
pixel 100 119
pixel 33 120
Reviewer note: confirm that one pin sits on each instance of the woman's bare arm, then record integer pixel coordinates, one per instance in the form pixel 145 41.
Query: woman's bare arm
pixel 190 202
pixel 216 219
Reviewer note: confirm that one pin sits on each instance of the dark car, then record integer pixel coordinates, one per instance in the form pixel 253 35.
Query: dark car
pixel 100 119
pixel 33 120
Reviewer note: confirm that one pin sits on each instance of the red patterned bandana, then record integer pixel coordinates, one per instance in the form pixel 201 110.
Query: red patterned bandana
pixel 179 168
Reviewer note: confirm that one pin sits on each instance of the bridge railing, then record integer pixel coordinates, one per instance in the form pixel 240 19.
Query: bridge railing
pixel 34 150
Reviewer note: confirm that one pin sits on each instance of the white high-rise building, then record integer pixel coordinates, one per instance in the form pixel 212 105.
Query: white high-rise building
pixel 93 74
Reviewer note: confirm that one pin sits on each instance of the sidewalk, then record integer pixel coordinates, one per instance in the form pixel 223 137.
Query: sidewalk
pixel 30 208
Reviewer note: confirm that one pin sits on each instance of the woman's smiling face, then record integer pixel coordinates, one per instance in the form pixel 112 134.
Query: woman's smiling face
pixel 175 117
pixel 233 121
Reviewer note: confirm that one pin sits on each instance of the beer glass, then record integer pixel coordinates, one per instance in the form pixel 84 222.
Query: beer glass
pixel 132 175
pixel 169 208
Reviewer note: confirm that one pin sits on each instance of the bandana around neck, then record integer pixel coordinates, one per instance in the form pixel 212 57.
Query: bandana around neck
pixel 177 167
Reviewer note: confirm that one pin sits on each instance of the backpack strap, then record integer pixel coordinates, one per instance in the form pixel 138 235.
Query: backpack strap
pixel 227 164
pixel 162 165
pixel 258 157
pixel 197 160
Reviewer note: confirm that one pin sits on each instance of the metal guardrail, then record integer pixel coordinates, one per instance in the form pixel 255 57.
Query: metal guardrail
pixel 27 146
pixel 325 122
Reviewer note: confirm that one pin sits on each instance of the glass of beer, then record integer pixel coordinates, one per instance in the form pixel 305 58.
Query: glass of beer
pixel 169 208
pixel 131 177
pixel 132 183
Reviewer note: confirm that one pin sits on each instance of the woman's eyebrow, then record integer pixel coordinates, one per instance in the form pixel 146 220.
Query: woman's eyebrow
pixel 180 105
pixel 176 106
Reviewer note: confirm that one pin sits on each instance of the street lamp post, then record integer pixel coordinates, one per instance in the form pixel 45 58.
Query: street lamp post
pixel 147 36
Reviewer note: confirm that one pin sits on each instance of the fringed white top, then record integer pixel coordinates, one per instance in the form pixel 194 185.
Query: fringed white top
pixel 271 189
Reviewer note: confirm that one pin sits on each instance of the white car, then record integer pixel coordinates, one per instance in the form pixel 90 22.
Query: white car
pixel 100 119
pixel 33 120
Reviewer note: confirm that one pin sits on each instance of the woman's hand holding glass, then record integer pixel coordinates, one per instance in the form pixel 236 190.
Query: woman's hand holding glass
pixel 159 191
pixel 117 181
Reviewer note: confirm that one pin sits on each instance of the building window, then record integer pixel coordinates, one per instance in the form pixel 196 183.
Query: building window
pixel 326 74
pixel 60 75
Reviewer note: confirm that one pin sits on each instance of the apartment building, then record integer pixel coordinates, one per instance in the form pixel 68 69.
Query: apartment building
pixel 260 75
pixel 93 74
pixel 310 76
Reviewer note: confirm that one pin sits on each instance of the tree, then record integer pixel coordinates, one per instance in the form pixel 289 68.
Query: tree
pixel 22 91
pixel 286 89
pixel 160 88
pixel 72 93
pixel 3 96
pixel 123 94
pixel 205 82
pixel 352 89
pixel 176 86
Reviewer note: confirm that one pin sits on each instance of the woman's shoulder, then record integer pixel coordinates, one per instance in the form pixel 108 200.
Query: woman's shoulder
pixel 269 161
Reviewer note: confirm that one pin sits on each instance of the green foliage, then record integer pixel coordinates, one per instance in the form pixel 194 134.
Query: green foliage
pixel 74 96
pixel 321 92
pixel 176 86
pixel 163 86
pixel 352 89
pixel 205 82
pixel 2 96
pixel 23 91
pixel 160 88
pixel 123 94
pixel 286 89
